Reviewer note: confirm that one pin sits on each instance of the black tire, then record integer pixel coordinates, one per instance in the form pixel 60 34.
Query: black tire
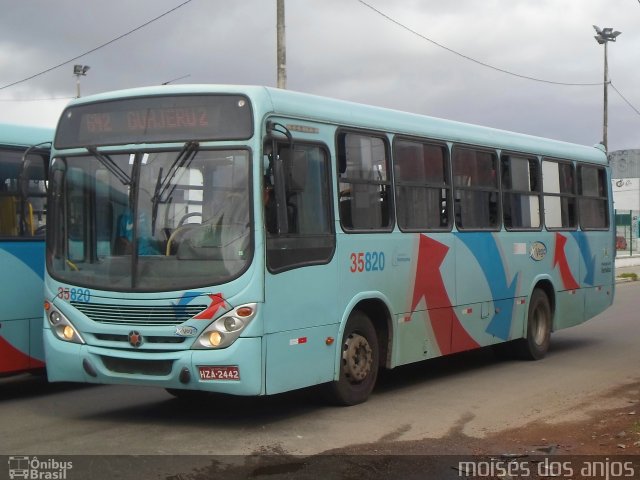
pixel 358 365
pixel 539 318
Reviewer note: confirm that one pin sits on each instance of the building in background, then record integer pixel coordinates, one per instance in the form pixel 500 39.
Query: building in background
pixel 625 179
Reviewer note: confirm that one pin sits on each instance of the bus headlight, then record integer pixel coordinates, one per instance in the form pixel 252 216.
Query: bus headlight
pixel 62 327
pixel 226 329
pixel 215 338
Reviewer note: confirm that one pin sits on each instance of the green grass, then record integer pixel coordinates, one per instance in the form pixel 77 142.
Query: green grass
pixel 633 276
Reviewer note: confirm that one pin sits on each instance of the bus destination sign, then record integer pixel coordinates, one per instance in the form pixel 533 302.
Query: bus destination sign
pixel 156 119
pixel 147 120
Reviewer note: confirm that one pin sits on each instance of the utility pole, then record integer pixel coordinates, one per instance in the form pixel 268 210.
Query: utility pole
pixel 603 37
pixel 605 113
pixel 281 46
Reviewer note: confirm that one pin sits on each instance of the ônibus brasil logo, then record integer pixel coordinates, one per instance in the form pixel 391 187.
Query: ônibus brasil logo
pixel 32 468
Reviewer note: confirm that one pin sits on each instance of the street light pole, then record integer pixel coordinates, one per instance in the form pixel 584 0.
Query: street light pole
pixel 603 37
pixel 79 71
pixel 281 46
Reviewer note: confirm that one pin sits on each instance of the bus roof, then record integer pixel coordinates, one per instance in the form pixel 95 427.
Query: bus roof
pixel 24 135
pixel 349 114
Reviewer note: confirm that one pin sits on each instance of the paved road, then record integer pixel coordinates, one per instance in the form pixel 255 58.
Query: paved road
pixel 473 392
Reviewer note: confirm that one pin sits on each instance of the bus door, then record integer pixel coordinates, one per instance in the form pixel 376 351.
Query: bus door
pixel 300 281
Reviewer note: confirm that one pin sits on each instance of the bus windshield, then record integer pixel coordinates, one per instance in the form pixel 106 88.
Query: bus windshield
pixel 149 221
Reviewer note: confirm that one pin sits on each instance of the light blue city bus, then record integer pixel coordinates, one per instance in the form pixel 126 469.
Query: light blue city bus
pixel 24 159
pixel 250 241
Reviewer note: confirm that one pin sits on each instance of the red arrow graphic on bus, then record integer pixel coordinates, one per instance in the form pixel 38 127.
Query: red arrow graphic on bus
pixel 13 360
pixel 429 285
pixel 560 259
pixel 216 304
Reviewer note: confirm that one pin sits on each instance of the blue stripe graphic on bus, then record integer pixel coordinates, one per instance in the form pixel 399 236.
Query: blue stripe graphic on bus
pixel 180 307
pixel 31 257
pixel 589 259
pixel 484 248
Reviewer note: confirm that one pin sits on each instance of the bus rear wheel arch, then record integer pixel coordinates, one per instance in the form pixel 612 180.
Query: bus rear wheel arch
pixel 359 362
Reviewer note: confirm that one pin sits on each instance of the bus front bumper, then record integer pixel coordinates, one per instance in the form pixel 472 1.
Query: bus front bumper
pixel 181 369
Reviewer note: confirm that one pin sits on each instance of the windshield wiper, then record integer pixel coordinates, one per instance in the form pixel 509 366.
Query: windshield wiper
pixel 110 165
pixel 184 159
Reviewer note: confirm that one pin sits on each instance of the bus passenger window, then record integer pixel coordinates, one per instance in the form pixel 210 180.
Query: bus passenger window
pixel 559 194
pixel 521 193
pixel 475 182
pixel 593 209
pixel 364 184
pixel 422 188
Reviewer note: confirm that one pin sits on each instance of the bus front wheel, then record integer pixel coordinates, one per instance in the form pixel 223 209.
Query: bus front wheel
pixel 358 362
pixel 536 343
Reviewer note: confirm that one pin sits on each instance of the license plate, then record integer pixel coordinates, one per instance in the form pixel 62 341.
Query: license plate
pixel 219 373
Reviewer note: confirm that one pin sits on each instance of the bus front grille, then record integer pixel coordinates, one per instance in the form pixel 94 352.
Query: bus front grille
pixel 110 337
pixel 156 368
pixel 156 315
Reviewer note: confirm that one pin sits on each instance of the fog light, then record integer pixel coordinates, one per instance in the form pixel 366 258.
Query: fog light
pixel 54 318
pixel 215 338
pixel 68 332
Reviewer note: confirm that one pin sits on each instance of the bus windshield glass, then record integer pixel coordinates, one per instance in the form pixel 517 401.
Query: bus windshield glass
pixel 155 120
pixel 150 221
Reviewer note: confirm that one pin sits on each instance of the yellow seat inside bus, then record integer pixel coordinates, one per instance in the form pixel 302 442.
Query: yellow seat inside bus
pixel 8 216
pixel 10 219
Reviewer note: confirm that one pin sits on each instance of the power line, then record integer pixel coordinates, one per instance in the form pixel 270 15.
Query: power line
pixel 34 99
pixel 466 57
pixel 623 97
pixel 96 48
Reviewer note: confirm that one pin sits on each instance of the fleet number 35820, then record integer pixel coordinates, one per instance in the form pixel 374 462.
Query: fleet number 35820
pixel 367 262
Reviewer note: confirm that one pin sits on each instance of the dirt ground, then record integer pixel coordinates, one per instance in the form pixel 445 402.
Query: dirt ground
pixel 604 445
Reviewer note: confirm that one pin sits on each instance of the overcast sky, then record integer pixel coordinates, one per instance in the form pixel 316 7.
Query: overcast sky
pixel 342 49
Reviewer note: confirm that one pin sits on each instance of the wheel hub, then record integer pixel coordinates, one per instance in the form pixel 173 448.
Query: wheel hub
pixel 357 357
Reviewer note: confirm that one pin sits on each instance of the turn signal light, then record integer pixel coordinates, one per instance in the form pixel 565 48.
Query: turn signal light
pixel 244 312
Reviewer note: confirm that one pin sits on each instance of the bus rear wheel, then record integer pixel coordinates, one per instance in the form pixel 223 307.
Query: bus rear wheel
pixel 358 363
pixel 536 343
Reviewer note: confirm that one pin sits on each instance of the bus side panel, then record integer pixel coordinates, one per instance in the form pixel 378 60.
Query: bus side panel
pixel 36 344
pixel 570 298
pixel 598 270
pixel 22 288
pixel 424 325
pixel 421 335
pixel 597 300
pixel 21 309
pixel 489 268
pixel 14 345
pixel 569 309
pixel 300 358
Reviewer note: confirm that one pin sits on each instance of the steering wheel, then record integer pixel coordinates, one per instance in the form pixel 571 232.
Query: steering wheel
pixel 179 231
pixel 187 216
